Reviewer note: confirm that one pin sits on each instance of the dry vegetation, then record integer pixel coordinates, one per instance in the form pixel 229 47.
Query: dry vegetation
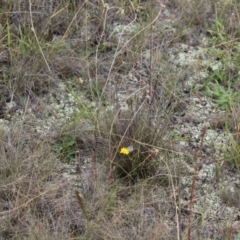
pixel 117 56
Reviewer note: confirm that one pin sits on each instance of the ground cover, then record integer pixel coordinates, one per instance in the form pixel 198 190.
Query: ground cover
pixel 119 120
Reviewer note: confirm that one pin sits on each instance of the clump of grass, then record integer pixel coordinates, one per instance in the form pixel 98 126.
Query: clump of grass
pixel 32 196
pixel 134 140
pixel 232 154
pixel 33 66
pixel 231 196
pixel 66 148
pixel 223 97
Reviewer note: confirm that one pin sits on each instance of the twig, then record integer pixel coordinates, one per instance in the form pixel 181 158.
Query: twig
pixel 35 35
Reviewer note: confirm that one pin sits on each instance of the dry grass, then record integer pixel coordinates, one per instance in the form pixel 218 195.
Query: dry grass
pixel 116 55
pixel 34 202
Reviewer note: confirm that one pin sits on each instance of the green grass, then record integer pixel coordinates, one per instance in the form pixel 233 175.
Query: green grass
pixel 222 96
pixel 233 154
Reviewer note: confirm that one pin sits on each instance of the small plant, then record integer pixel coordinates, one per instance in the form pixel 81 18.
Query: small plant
pixel 223 97
pixel 219 76
pixel 66 147
pixel 131 6
pixel 233 154
pixel 134 140
pixel 217 33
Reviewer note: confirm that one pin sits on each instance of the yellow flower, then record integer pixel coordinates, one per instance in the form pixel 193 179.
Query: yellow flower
pixel 124 151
